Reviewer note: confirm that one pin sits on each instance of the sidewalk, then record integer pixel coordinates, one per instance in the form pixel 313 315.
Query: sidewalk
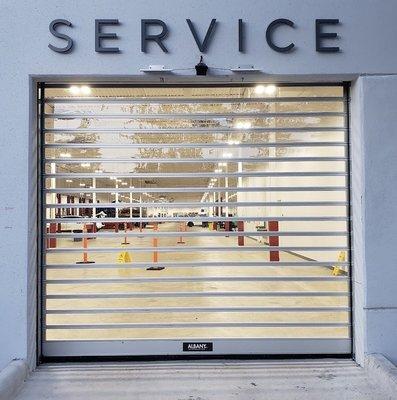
pixel 203 380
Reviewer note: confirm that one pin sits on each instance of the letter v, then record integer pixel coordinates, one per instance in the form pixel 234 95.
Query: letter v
pixel 202 45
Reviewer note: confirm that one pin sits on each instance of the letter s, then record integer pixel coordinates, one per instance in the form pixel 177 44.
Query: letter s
pixel 53 27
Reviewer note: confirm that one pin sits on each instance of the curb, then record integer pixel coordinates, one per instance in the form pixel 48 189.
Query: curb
pixel 12 378
pixel 383 372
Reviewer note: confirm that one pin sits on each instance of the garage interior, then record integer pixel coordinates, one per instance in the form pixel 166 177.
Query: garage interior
pixel 195 213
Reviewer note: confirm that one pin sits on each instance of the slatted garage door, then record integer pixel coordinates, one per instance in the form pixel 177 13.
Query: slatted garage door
pixel 185 220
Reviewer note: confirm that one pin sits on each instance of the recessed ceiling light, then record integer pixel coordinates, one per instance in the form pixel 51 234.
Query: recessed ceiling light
pixel 69 181
pixel 65 155
pixel 85 165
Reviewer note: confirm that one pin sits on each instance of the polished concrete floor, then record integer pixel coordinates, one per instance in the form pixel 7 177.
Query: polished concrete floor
pixel 89 281
pixel 203 380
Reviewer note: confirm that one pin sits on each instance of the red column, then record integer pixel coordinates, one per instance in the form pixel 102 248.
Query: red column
pixel 52 242
pixel 274 240
pixel 240 228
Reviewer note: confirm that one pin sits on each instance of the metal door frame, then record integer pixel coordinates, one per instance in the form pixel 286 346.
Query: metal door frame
pixel 164 348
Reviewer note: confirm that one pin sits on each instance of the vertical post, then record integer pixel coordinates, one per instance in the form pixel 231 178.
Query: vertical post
pixel 240 228
pixel 52 242
pixel 85 247
pixel 125 234
pixel 274 241
pixel 94 198
pixel 140 212
pixel 181 229
pixel 155 243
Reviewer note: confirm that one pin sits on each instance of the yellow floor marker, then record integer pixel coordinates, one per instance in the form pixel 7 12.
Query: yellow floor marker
pixel 341 258
pixel 124 257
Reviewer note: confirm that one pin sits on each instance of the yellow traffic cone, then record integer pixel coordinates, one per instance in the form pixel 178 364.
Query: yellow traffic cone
pixel 124 257
pixel 341 258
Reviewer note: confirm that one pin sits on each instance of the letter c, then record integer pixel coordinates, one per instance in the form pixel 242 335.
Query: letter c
pixel 269 35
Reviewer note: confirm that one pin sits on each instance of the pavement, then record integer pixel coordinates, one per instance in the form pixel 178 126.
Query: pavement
pixel 322 379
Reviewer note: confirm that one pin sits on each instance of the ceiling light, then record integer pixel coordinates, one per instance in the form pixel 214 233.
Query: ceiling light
pixel 81 184
pixel 260 89
pixel 218 171
pixel 65 155
pixel 75 90
pixel 69 181
pixel 242 125
pixel 124 183
pixel 113 178
pixel 98 171
pixel 132 187
pixel 232 142
pixel 86 165
pixel 270 89
pixel 222 164
pixel 227 155
pixel 86 90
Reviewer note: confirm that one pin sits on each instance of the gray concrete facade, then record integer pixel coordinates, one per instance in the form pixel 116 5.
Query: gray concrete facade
pixel 368 59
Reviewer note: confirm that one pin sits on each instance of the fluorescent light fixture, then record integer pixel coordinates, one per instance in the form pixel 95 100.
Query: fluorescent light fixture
pixel 82 184
pixel 132 187
pixel 222 164
pixel 98 171
pixel 65 155
pixel 232 142
pixel 86 165
pixel 69 181
pixel 124 183
pixel 218 171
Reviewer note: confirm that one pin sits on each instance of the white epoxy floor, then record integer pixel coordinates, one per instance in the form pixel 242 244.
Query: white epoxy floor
pixel 120 284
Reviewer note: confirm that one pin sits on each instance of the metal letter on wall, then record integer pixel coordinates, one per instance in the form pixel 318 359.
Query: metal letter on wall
pixel 269 35
pixel 204 44
pixel 320 35
pixel 99 35
pixel 158 38
pixel 53 27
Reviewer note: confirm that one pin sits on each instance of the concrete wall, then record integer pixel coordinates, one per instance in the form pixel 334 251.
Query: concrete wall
pixel 374 168
pixel 367 33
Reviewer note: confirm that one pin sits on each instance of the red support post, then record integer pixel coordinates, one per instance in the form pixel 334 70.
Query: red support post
pixel 274 241
pixel 240 228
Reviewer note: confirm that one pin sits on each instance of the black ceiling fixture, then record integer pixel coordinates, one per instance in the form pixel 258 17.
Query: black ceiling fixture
pixel 201 67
